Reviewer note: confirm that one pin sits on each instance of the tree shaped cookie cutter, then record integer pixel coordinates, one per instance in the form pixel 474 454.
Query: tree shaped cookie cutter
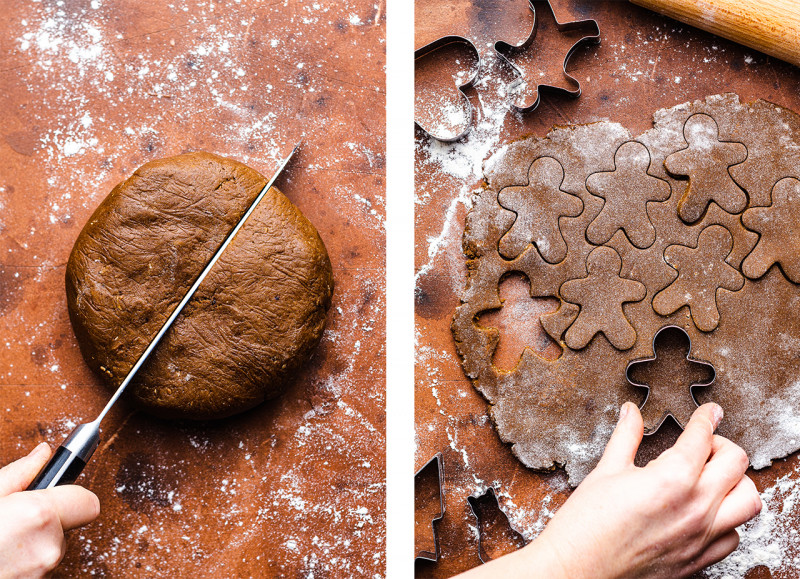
pixel 670 411
pixel 427 51
pixel 437 463
pixel 504 51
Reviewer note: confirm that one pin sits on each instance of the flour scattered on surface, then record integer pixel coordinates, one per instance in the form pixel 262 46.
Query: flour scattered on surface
pixel 462 162
pixel 772 538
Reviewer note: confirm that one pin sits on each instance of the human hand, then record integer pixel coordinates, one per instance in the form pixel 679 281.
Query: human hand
pixel 33 522
pixel 668 519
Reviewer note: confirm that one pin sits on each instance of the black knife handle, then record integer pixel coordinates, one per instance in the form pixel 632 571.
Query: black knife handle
pixel 50 471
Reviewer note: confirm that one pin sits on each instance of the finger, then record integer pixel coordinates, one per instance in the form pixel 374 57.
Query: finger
pixel 16 476
pixel 716 551
pixel 739 506
pixel 63 551
pixel 717 444
pixel 694 444
pixel 624 443
pixel 75 505
pixel 724 469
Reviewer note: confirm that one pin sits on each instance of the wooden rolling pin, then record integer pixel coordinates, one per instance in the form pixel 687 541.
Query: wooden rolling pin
pixel 771 26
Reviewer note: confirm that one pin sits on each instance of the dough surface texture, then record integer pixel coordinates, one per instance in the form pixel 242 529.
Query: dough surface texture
pixel 691 224
pixel 254 320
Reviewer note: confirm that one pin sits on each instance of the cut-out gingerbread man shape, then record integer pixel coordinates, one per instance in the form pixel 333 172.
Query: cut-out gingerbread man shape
pixel 600 296
pixel 626 190
pixel 779 226
pixel 706 161
pixel 702 271
pixel 670 377
pixel 538 206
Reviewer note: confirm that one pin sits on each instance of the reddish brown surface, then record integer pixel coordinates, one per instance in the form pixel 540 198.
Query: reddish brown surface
pixel 645 62
pixel 92 91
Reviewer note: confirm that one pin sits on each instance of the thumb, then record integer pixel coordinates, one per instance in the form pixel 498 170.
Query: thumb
pixel 626 438
pixel 18 475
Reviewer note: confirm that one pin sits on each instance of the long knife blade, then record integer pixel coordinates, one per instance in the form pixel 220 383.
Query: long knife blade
pixel 71 457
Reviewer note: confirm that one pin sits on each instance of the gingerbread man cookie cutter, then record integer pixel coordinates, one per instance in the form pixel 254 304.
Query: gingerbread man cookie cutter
pixel 504 51
pixel 669 411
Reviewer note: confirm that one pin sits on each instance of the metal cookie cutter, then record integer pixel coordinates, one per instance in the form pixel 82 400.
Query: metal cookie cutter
pixel 489 498
pixel 505 51
pixel 425 54
pixel 669 403
pixel 439 466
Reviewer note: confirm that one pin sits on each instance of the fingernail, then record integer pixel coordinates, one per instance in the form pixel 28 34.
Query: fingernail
pixel 623 412
pixel 41 448
pixel 717 413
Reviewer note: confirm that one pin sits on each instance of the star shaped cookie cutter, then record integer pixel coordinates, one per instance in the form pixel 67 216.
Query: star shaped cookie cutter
pixel 669 412
pixel 504 51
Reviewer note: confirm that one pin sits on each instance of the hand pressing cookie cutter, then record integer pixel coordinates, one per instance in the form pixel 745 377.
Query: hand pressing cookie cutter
pixel 504 50
pixel 429 49
pixel 689 357
pixel 427 555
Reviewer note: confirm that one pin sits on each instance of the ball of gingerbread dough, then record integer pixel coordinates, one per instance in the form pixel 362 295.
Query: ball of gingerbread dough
pixel 253 321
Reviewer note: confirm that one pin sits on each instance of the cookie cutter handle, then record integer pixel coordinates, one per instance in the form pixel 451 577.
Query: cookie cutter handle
pixel 69 460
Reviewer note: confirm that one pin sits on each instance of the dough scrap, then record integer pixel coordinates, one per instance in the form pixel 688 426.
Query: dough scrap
pixel 254 320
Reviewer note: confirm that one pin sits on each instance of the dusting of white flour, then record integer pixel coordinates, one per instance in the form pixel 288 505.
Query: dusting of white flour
pixel 771 539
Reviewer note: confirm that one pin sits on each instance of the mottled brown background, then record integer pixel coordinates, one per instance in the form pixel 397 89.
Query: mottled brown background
pixel 645 62
pixel 89 91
